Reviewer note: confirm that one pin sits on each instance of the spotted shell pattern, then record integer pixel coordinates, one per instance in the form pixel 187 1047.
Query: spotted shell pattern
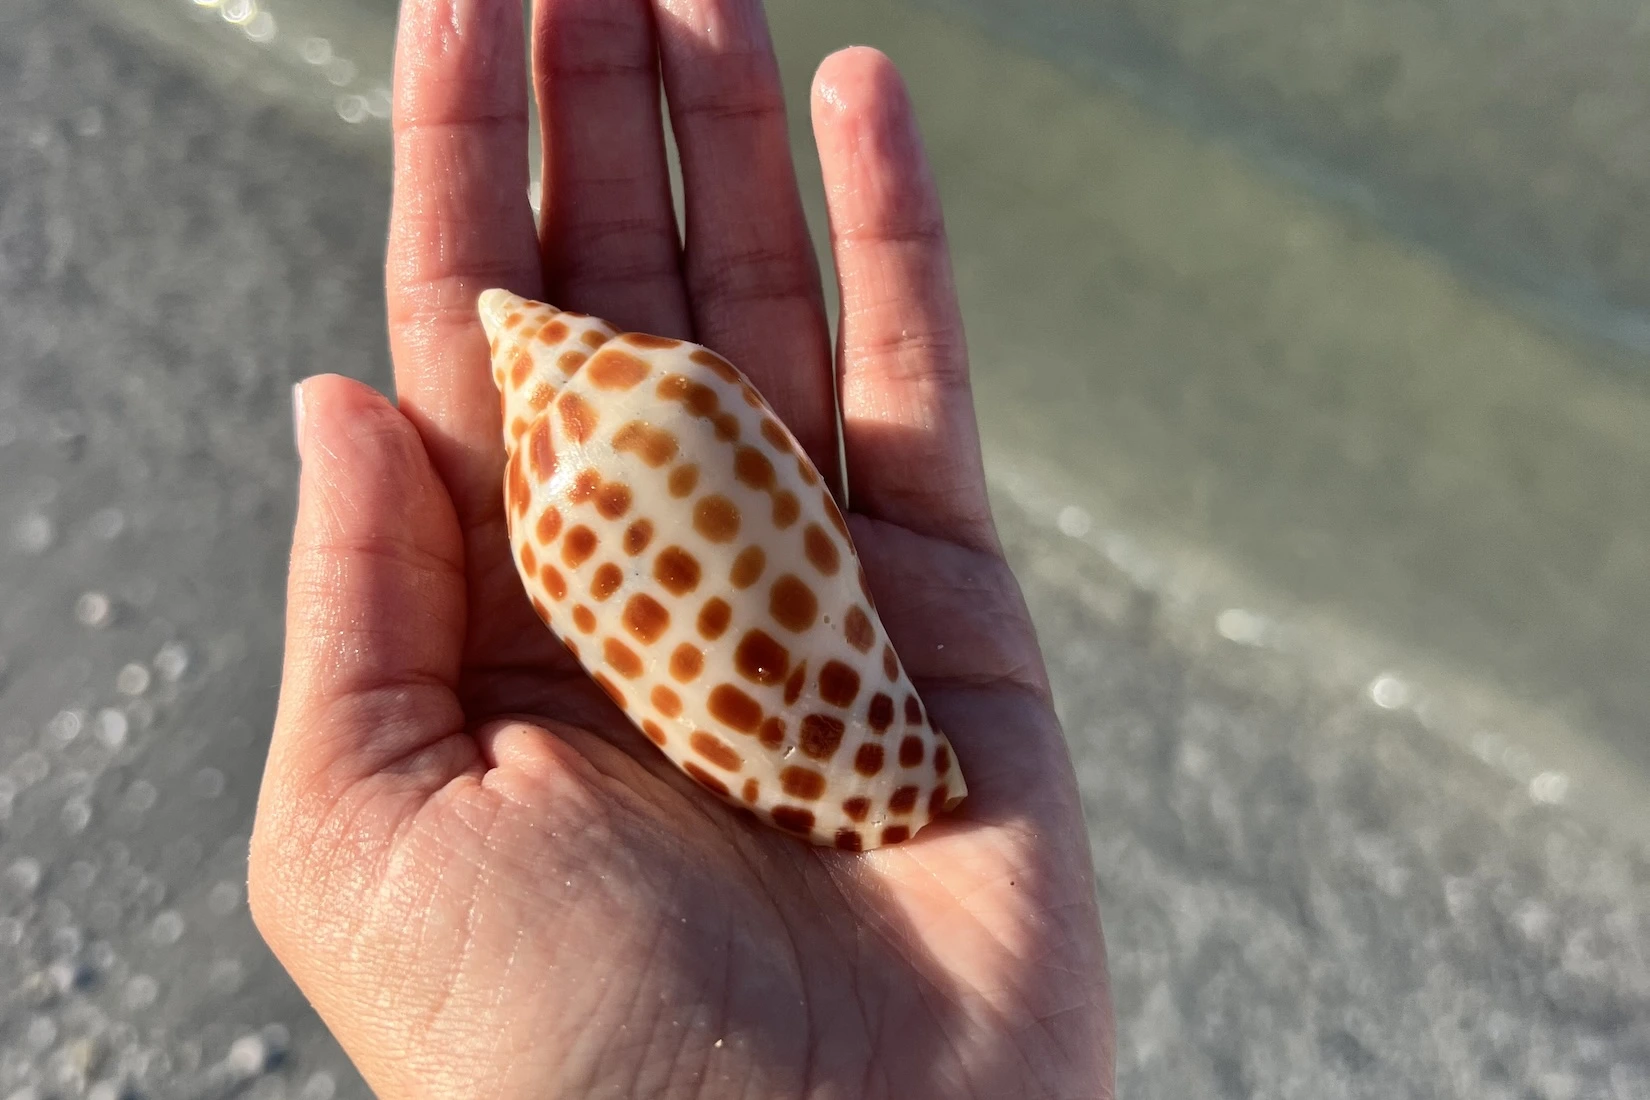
pixel 676 538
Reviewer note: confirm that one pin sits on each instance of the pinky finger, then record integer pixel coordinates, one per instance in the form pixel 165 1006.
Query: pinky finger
pixel 913 449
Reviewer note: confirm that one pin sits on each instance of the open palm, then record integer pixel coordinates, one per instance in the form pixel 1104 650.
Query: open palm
pixel 486 881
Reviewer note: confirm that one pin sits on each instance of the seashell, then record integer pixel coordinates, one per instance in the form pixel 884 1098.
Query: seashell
pixel 674 535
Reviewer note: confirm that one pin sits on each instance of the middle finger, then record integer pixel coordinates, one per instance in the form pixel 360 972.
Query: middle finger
pixel 751 272
pixel 608 231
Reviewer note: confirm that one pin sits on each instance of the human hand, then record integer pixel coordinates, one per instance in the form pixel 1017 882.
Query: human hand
pixel 487 882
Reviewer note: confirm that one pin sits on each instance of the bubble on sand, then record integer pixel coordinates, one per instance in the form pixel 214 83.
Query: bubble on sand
pixel 112 727
pixel 133 679
pixel 247 1055
pixel 172 662
pixel 224 898
pixel 1074 522
pixel 93 609
pixel 141 992
pixel 167 928
pixel 23 876
pixel 34 533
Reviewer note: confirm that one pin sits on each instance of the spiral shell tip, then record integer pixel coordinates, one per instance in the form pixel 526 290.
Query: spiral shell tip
pixel 495 305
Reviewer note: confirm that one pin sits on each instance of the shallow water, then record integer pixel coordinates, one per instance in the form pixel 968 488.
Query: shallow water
pixel 1337 539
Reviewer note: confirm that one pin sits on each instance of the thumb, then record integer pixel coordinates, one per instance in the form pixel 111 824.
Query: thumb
pixel 375 597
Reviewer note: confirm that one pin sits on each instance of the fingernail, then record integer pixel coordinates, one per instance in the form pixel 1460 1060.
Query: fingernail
pixel 298 419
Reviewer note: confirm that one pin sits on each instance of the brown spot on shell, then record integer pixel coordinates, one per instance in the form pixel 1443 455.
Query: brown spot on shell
pixel 857 808
pixel 890 663
pixel 553 333
pixel 654 446
pixel 595 338
pixel 519 494
pixel 577 546
pixel 540 610
pixel 686 662
pixel 868 760
pixel 665 701
pixel 717 751
pixel 520 367
pixel 792 603
pixel 942 759
pixel 803 783
pixel 911 752
pixel 821 550
pixel 552 580
pixel 622 658
pixel 683 479
pixel 849 840
pixel 857 629
pixel 717 518
pixel 776 435
pixel 772 733
pixel 540 453
pixel 578 419
pixel 719 366
pixel 529 560
pixel 677 570
pixel 699 398
pixel 607 580
pixel 612 369
pixel 570 361
pixel 937 801
pixel 539 398
pixel 714 618
pixel 793 686
pixel 903 801
pixel 913 711
pixel 705 779
pixel 727 427
pixel 613 499
pixel 637 536
pixel 733 708
pixel 584 486
pixel 646 618
pixel 752 468
pixel 821 734
pixel 806 469
pixel 549 526
pixel 653 731
pixel 838 684
pixel 793 819
pixel 643 340
pixel 760 659
pixel 895 834
pixel 747 567
pixel 584 618
pixel 752 789
pixel 786 509
pixel 881 713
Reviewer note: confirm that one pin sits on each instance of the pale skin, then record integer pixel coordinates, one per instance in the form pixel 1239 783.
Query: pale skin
pixel 488 883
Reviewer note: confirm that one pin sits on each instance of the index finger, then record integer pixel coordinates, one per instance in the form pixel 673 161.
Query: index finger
pixel 460 223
